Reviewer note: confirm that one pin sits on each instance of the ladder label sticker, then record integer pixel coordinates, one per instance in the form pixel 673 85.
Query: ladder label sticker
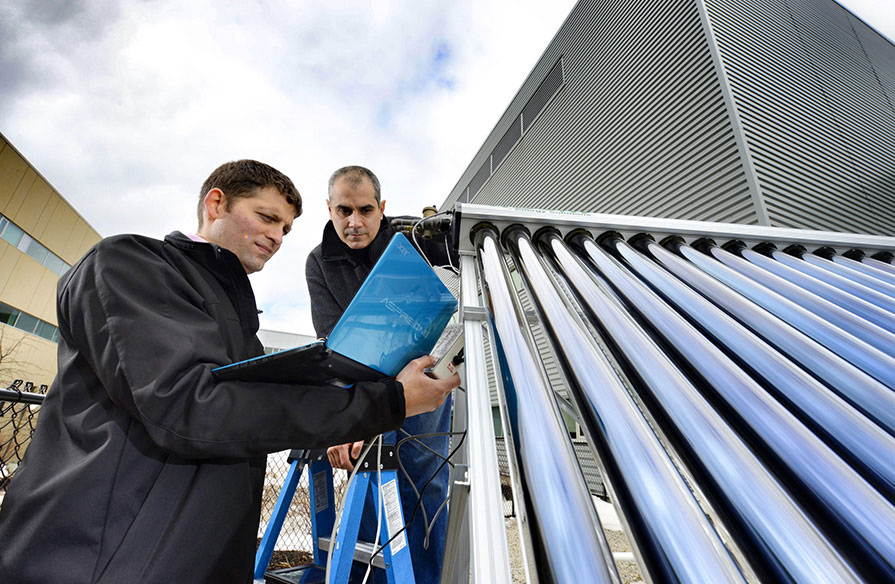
pixel 321 497
pixel 393 514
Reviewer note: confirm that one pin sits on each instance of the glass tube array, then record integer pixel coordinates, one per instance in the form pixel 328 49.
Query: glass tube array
pixel 741 402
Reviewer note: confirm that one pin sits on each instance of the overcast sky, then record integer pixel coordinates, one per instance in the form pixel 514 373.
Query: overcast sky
pixel 126 106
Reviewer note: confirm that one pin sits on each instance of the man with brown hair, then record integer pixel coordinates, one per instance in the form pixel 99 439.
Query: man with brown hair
pixel 144 467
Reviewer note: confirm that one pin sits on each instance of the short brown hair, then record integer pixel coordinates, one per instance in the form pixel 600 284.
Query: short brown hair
pixel 241 178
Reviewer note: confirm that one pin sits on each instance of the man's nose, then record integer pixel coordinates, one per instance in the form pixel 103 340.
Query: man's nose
pixel 354 219
pixel 276 234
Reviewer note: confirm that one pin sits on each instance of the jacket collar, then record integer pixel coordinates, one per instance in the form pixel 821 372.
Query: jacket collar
pixel 210 255
pixel 227 270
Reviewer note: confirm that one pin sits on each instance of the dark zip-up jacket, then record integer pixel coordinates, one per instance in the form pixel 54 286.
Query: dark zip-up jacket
pixel 144 468
pixel 335 273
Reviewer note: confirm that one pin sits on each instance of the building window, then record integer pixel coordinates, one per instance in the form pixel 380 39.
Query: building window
pixel 36 251
pixel 12 233
pixel 54 264
pixel 8 314
pixel 16 237
pixel 46 330
pixel 28 323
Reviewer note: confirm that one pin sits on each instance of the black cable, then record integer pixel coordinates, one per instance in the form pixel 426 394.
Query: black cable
pixel 427 483
pixel 416 438
pixel 419 443
pixel 417 244
pixel 431 478
pixel 431 524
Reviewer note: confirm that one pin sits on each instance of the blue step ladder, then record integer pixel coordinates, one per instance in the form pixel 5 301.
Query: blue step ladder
pixel 394 558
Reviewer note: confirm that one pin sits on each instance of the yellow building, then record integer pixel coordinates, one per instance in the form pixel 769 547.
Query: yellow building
pixel 41 237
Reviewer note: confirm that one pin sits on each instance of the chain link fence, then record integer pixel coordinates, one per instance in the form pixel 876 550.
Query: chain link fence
pixel 293 546
pixel 19 408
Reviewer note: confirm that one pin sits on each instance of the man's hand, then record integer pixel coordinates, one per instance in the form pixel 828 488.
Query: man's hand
pixel 340 456
pixel 421 392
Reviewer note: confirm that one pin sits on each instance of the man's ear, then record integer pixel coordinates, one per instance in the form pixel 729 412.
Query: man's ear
pixel 215 203
pixel 382 207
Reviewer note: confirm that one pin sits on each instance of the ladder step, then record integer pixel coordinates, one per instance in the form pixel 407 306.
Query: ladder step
pixel 305 574
pixel 362 552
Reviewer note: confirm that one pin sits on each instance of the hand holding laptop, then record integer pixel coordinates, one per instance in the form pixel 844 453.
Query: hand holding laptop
pixel 422 394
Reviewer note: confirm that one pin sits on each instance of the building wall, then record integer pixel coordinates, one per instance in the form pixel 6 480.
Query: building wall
pixel 814 88
pixel 274 341
pixel 51 236
pixel 774 112
pixel 639 127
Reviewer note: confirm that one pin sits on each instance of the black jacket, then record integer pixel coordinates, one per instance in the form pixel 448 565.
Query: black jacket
pixel 335 274
pixel 143 468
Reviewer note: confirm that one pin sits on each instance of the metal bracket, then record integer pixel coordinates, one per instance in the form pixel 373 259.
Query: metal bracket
pixel 473 313
pixel 455 568
pixel 388 459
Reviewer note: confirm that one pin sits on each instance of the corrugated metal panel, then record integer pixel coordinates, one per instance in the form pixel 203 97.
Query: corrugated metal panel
pixel 530 113
pixel 879 52
pixel 810 84
pixel 513 112
pixel 640 125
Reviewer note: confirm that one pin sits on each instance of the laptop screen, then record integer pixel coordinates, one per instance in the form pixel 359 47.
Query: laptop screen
pixel 397 314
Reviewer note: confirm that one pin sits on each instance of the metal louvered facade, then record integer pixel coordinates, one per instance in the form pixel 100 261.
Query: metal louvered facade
pixel 772 112
pixel 806 80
